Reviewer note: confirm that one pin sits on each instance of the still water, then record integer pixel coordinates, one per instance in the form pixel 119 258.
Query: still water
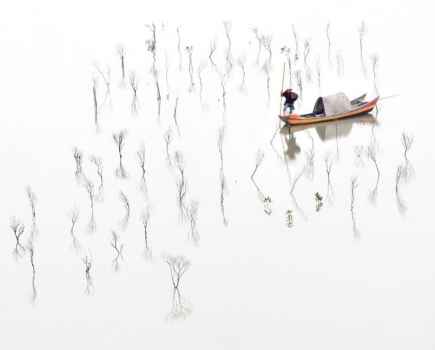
pixel 217 227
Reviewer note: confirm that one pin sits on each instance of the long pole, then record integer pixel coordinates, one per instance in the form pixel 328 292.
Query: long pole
pixel 282 87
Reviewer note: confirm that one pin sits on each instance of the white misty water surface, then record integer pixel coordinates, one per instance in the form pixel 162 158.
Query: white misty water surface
pixel 334 278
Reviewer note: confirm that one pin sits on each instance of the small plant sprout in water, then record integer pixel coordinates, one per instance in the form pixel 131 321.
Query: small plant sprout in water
pixel 307 50
pixel 228 53
pixel 407 141
pixel 126 205
pixel 192 214
pixel 201 85
pixel 401 206
pixel 119 140
pixel 95 102
pixel 107 81
pixel 353 187
pixel 78 158
pixel 286 51
pixel 258 37
pixel 372 155
pixel 74 216
pixel 189 50
pixel 87 262
pixel 223 186
pixel 168 138
pixel 375 62
pixel 145 218
pixel 266 200
pixel 289 218
pixel 211 53
pixel 134 88
pixel 178 265
pixel 174 116
pixel 241 64
pixel 31 196
pixel 90 189
pixel 181 184
pixel 121 54
pixel 328 167
pixel 98 163
pixel 141 159
pixel 18 230
pixel 31 250
pixel 180 56
pixel 117 247
pixel 319 201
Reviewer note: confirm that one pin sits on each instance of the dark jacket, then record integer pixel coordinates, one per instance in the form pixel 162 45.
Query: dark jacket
pixel 290 96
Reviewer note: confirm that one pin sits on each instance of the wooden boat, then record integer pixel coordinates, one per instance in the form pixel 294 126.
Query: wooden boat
pixel 359 108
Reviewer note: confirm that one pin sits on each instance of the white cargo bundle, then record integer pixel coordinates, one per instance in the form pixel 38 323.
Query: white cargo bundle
pixel 335 104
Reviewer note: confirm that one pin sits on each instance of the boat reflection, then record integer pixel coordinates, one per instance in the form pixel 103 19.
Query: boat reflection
pixel 326 131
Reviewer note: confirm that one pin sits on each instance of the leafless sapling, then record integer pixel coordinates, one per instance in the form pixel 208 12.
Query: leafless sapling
pixel 299 83
pixel 31 250
pixel 98 162
pixel 266 70
pixel 211 53
pixel 87 261
pixel 266 200
pixel 296 39
pixel 119 140
pixel 145 218
pixel 118 248
pixel 309 159
pixel 399 200
pixel 241 63
pixel 126 204
pixel 353 187
pixel 307 50
pixel 192 214
pixel 201 86
pixel 168 87
pixel 134 100
pixel 328 168
pixel 31 196
pixel 178 265
pixel 223 185
pixel 168 138
pixel 90 189
pixel 258 36
pixel 180 56
pixel 78 157
pixel 74 216
pixel 223 81
pixel 18 230
pixel 174 116
pixel 375 62
pixel 121 54
pixel 407 141
pixel 181 184
pixel 362 30
pixel 228 54
pixel 286 51
pixel 266 41
pixel 152 45
pixel 95 102
pixel 189 50
pixel 372 155
pixel 107 82
pixel 141 158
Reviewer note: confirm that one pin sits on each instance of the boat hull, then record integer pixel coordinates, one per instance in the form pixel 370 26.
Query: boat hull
pixel 294 119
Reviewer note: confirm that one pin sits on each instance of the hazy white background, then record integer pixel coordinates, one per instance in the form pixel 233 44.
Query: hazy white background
pixel 252 285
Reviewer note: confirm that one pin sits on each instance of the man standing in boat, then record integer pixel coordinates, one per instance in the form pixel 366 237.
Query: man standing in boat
pixel 290 98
